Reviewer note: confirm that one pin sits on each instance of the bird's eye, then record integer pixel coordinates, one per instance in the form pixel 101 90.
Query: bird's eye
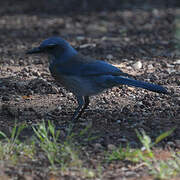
pixel 51 46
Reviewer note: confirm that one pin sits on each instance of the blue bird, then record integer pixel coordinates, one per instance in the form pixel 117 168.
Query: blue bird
pixel 85 76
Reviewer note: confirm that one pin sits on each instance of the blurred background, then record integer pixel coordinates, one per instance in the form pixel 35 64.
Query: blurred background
pixel 80 6
pixel 126 28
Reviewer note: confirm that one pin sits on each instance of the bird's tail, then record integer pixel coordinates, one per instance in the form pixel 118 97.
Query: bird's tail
pixel 141 84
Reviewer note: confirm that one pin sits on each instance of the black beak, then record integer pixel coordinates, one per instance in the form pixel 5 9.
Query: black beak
pixel 34 50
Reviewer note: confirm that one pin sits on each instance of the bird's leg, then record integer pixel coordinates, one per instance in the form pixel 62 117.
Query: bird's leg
pixel 82 101
pixel 86 103
pixel 86 99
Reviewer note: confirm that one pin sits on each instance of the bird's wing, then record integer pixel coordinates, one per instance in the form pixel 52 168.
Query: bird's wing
pixel 99 68
pixel 85 66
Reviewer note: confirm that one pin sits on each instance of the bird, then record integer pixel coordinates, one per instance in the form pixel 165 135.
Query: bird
pixel 85 76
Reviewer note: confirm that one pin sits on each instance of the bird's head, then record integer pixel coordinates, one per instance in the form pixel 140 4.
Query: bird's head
pixel 55 46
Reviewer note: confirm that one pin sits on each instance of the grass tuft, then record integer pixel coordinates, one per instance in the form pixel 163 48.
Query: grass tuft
pixel 159 169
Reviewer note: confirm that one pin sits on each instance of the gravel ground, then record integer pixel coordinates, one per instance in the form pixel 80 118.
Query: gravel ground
pixel 140 42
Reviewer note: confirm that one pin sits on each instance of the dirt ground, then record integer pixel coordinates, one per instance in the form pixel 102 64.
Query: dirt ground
pixel 123 37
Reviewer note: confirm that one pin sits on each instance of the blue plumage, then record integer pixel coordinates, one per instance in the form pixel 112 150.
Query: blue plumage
pixel 85 76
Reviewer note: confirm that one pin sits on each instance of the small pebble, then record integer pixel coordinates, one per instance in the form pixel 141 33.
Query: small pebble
pixel 109 56
pixel 118 121
pixel 11 61
pixel 55 90
pixel 137 65
pixel 87 45
pixel 169 70
pixel 21 62
pixel 170 143
pixel 98 147
pixel 59 108
pixel 111 147
pixel 150 66
pixel 177 62
pixel 36 73
pixel 80 38
pixel 25 69
pixel 169 65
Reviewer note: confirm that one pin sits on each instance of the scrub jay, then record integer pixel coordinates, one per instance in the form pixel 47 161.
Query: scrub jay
pixel 85 76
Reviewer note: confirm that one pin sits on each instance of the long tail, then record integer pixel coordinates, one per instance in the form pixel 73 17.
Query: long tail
pixel 141 84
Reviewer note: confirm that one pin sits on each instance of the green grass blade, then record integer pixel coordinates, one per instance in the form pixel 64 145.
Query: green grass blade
pixel 3 135
pixel 163 136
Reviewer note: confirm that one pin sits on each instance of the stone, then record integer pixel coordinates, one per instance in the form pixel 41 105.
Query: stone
pixel 98 147
pixel 111 147
pixel 177 62
pixel 109 56
pixel 150 66
pixel 137 65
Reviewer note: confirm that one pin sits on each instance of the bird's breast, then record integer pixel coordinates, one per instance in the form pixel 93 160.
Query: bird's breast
pixel 77 84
